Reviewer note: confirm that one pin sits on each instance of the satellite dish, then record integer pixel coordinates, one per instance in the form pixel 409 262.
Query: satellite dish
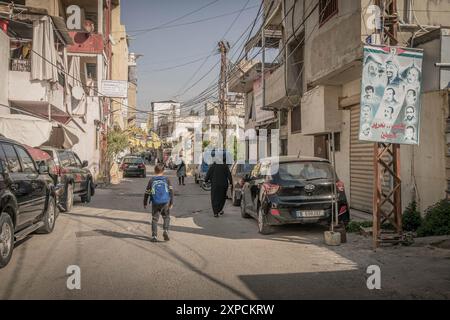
pixel 78 92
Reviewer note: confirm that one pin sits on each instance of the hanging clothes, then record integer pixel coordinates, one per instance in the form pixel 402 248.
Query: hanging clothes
pixel 44 60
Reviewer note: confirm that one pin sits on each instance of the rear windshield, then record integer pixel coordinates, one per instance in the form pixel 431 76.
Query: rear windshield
pixel 133 160
pixel 295 171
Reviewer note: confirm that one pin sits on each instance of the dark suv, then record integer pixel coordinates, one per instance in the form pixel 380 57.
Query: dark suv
pixel 288 190
pixel 27 198
pixel 73 175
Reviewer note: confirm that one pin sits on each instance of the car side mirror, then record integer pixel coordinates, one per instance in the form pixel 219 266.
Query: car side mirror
pixel 85 164
pixel 44 170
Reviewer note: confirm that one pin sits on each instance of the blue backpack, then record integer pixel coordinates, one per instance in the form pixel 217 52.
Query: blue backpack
pixel 160 191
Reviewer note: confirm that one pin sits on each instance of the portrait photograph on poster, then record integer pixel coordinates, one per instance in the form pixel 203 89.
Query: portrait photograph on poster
pixel 391 95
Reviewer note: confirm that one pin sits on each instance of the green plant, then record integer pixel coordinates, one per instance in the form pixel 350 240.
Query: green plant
pixel 411 218
pixel 355 226
pixel 117 142
pixel 436 221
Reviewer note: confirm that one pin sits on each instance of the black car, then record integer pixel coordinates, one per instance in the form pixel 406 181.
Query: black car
pixel 133 166
pixel 73 174
pixel 27 198
pixel 289 190
pixel 238 173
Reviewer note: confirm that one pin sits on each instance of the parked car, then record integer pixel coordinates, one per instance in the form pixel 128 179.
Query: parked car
pixel 73 174
pixel 289 190
pixel 238 173
pixel 27 198
pixel 133 166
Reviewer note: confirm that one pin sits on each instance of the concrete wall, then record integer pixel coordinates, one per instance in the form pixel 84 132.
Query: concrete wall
pixel 86 148
pixel 132 102
pixel 119 64
pixel 320 112
pixel 53 7
pixel 430 12
pixel 334 45
pixel 4 71
pixel 423 167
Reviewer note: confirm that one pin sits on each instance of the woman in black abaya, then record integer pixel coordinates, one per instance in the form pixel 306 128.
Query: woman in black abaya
pixel 219 174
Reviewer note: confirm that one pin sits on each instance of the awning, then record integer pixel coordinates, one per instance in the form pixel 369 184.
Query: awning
pixel 61 137
pixel 41 109
pixel 25 129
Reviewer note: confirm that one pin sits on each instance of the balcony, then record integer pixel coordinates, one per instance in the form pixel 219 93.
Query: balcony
pixel 86 43
pixel 278 95
pixel 37 97
pixel 320 113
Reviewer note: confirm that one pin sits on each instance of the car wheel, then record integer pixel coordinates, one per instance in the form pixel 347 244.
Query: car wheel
pixel 6 239
pixel 262 223
pixel 243 211
pixel 49 218
pixel 236 202
pixel 68 199
pixel 88 196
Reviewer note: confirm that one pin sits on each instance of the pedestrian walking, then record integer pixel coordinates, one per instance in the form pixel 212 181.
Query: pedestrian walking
pixel 159 193
pixel 219 175
pixel 181 172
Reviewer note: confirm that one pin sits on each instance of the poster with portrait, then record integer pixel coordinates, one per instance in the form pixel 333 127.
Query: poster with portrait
pixel 391 95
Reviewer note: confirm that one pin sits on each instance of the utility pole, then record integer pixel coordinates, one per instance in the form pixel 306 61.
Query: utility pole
pixel 224 47
pixel 387 155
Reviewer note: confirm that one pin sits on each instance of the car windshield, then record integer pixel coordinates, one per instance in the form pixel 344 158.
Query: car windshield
pixel 305 171
pixel 132 160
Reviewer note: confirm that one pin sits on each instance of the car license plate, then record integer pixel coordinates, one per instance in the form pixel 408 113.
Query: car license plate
pixel 133 167
pixel 310 214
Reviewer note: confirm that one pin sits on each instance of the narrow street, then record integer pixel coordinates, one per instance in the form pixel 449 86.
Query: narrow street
pixel 207 258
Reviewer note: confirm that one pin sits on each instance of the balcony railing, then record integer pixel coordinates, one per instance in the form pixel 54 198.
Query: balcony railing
pixel 21 65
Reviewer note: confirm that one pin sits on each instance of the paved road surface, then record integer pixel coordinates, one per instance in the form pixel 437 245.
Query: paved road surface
pixel 207 258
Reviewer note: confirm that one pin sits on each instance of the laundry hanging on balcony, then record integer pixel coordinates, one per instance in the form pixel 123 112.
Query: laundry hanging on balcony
pixel 44 59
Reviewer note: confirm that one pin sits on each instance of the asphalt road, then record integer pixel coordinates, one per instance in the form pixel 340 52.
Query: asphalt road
pixel 207 257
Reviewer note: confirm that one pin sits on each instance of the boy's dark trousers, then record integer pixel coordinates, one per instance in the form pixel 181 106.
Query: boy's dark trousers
pixel 164 211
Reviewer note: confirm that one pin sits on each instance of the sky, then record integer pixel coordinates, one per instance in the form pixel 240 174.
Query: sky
pixel 164 48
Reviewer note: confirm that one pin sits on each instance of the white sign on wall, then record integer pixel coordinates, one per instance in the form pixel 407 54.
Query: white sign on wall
pixel 73 17
pixel 115 88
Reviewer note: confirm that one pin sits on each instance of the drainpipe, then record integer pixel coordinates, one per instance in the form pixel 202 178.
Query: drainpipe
pixel 408 15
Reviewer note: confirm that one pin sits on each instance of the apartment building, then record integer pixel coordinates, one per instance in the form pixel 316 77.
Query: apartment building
pixel 70 94
pixel 316 78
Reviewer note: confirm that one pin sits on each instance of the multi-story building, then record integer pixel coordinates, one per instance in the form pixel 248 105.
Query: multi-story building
pixel 62 83
pixel 317 78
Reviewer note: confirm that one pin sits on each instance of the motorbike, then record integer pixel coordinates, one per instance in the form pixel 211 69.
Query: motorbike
pixel 205 185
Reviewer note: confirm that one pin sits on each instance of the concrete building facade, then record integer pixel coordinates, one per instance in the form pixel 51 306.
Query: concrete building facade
pixel 317 79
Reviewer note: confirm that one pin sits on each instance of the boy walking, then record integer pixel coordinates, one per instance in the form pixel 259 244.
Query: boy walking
pixel 160 192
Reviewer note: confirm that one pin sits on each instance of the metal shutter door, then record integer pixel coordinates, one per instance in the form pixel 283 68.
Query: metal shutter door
pixel 361 167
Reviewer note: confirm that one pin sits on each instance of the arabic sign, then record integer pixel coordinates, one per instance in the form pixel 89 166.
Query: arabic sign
pixel 391 95
pixel 115 88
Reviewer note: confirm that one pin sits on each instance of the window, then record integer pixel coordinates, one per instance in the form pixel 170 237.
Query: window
pixel 12 160
pixel 77 160
pixel 284 117
pixel 283 147
pixel 327 9
pixel 296 171
pixel 65 159
pixel 296 120
pixel 27 163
